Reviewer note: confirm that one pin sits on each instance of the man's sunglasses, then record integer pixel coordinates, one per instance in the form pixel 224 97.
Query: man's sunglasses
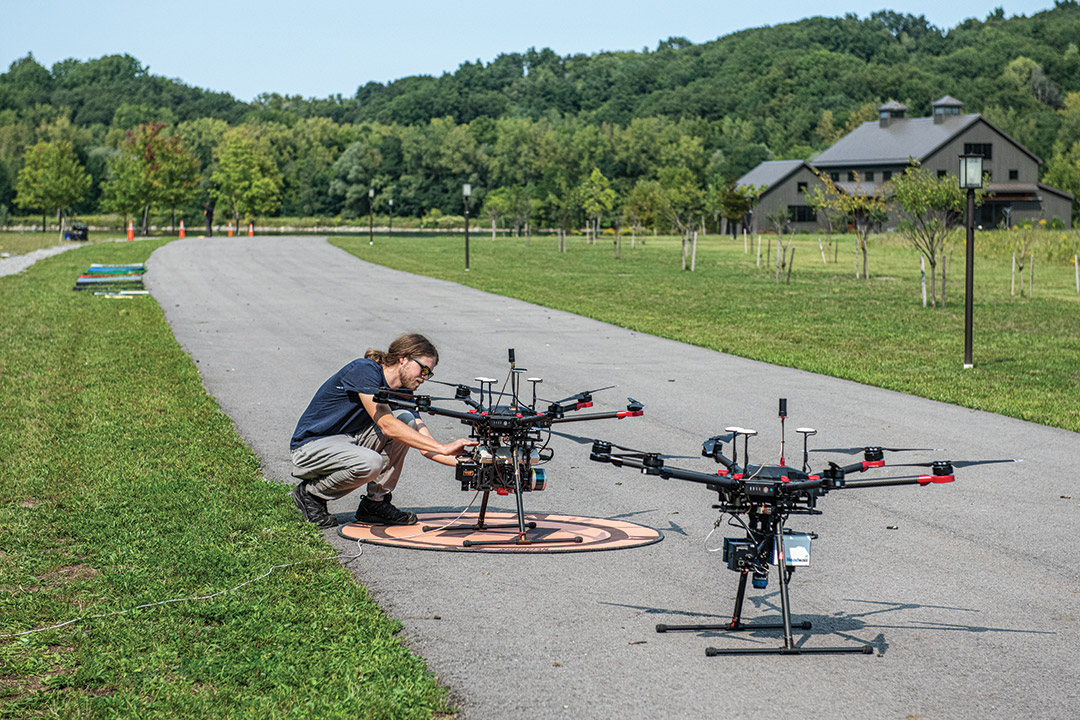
pixel 425 371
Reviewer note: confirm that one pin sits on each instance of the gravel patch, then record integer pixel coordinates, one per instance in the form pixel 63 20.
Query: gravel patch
pixel 18 263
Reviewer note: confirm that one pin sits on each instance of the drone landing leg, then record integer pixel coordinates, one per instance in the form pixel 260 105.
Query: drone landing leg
pixel 522 534
pixel 479 524
pixel 789 647
pixel 736 623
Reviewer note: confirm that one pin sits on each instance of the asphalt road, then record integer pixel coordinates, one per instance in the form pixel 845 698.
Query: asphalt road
pixel 969 592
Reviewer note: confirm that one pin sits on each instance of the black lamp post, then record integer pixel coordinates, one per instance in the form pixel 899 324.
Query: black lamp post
pixel 971 180
pixel 391 228
pixel 371 216
pixel 466 191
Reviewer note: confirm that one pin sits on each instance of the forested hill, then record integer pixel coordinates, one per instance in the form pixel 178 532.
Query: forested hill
pixel 787 91
pixel 788 73
pixel 96 90
pixel 783 77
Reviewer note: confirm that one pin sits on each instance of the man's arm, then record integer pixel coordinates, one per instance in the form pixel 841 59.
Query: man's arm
pixel 422 441
pixel 450 460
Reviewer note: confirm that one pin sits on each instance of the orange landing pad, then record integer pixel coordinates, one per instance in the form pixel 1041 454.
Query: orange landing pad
pixel 595 533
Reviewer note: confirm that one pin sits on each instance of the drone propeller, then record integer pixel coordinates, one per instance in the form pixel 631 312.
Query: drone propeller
pixel 632 453
pixel 959 463
pixel 576 438
pixel 459 386
pixel 712 447
pixel 585 395
pixel 870 448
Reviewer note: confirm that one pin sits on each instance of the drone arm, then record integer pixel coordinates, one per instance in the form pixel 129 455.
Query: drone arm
pixel 921 480
pixel 422 403
pixel 813 483
pixel 654 466
pixel 617 414
pixel 698 477
pixel 395 429
pixel 861 466
pixel 727 462
pixel 473 418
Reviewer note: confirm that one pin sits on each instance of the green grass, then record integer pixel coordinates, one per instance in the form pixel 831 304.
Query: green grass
pixel 20 243
pixel 1026 351
pixel 124 484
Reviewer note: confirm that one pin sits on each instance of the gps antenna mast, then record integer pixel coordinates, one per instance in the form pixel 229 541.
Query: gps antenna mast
pixel 783 414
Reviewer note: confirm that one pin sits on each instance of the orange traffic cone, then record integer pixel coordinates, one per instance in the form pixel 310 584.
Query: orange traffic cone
pixel 230 229
pixel 131 229
pixel 251 229
pixel 181 229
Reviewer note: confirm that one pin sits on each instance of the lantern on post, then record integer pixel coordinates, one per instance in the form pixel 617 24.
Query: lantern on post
pixel 466 191
pixel 971 172
pixel 371 215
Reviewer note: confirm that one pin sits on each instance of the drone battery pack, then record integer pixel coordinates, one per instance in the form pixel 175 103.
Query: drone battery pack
pixel 796 550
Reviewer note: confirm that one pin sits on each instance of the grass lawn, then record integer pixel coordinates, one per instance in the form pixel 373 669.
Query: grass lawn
pixel 1026 350
pixel 124 484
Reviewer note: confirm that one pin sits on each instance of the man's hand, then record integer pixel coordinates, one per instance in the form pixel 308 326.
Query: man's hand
pixel 453 449
pixel 452 452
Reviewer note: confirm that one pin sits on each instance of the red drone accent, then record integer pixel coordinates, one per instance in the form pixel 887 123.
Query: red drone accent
pixel 737 476
pixel 867 464
pixel 629 413
pixel 583 405
pixel 785 479
pixel 502 491
pixel 814 477
pixel 925 480
pixel 722 472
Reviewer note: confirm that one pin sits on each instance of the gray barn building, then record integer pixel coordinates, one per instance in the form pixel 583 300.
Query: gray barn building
pixel 874 152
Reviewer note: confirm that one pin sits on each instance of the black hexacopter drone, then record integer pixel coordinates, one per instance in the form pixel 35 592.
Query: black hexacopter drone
pixel 759 499
pixel 511 441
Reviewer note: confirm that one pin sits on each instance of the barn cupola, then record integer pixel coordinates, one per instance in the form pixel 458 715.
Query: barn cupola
pixel 945 108
pixel 890 112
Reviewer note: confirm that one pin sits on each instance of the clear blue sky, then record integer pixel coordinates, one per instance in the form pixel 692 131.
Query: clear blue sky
pixel 317 48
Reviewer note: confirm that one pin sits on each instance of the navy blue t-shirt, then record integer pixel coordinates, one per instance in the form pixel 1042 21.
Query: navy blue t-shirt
pixel 336 408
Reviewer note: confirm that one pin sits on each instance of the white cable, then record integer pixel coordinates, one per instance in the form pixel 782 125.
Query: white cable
pixel 707 548
pixel 441 527
pixel 345 558
pixel 164 602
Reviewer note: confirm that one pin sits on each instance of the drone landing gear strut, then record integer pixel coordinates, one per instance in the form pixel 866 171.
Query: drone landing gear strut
pixel 521 536
pixel 520 528
pixel 736 624
pixel 480 524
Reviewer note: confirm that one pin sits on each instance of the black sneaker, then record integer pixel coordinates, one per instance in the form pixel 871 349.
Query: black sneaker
pixel 312 508
pixel 383 513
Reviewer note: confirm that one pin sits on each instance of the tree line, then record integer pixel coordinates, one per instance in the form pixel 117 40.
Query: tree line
pixel 560 141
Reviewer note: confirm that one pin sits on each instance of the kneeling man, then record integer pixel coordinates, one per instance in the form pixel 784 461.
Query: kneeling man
pixel 345 440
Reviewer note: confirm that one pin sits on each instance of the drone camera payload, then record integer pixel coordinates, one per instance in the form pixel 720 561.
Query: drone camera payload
pixel 484 469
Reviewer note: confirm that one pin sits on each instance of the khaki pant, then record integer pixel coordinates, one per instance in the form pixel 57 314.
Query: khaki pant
pixel 336 465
